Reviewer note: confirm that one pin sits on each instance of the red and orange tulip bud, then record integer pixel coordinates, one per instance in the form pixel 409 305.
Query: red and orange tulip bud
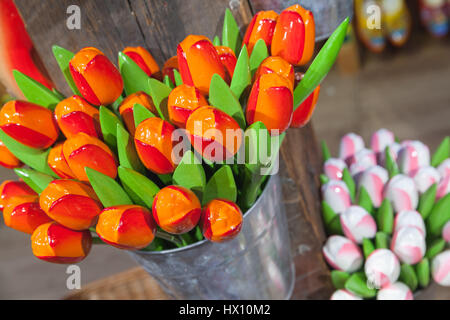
pixel 294 35
pixel 71 203
pixel 7 159
pixel 198 62
pixel 126 108
pixel 57 162
pixel 169 66
pixel 183 100
pixel 9 189
pixel 97 79
pixel 303 113
pixel 279 66
pixel 154 145
pixel 221 220
pixel 271 102
pixel 83 151
pixel 176 209
pixel 24 214
pixel 126 227
pixel 144 60
pixel 262 26
pixel 29 124
pixel 228 59
pixel 55 243
pixel 213 133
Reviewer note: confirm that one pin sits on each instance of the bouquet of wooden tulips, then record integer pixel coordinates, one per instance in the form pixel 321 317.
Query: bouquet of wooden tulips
pixel 390 206
pixel 142 158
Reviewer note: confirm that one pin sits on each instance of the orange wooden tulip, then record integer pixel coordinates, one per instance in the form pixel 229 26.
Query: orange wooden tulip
pixel 271 102
pixel 9 189
pixel 97 79
pixel 29 124
pixel 198 62
pixel 176 209
pixel 213 133
pixel 182 101
pixel 262 26
pixel 144 60
pixel 75 115
pixel 294 35
pixel 303 113
pixel 170 65
pixel 221 220
pixel 228 59
pixel 126 227
pixel 126 108
pixel 24 214
pixel 279 66
pixel 154 145
pixel 83 151
pixel 71 203
pixel 7 159
pixel 55 243
pixel 57 162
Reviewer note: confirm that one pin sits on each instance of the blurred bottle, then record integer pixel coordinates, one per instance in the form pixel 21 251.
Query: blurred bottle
pixel 396 21
pixel 368 24
pixel 435 16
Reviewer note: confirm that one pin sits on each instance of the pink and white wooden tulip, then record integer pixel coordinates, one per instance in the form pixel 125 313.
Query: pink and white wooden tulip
pixel 382 268
pixel 408 243
pixel 395 291
pixel 410 218
pixel 425 177
pixel 373 180
pixel 342 254
pixel 337 195
pixel 440 268
pixel 358 224
pixel 401 191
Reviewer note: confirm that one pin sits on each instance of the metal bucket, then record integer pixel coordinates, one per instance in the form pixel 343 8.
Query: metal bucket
pixel 257 264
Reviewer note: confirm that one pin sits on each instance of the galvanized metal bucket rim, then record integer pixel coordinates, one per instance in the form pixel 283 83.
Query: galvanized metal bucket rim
pixel 202 242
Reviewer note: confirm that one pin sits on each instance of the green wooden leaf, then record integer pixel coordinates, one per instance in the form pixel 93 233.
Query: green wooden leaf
pixel 34 158
pixel 382 240
pixel 221 97
pixel 36 92
pixel 257 149
pixel 216 41
pixel 364 200
pixel 357 283
pixel 423 272
pixel 385 217
pixel 426 201
pixel 368 247
pixel 177 77
pixel 391 165
pixel 63 57
pixel 190 174
pixel 335 226
pixel 339 278
pixel 141 113
pixel 323 179
pixel 107 189
pixel 168 82
pixel 321 65
pixel 159 92
pixel 36 180
pixel 141 189
pixel 258 55
pixel 328 213
pixel 108 124
pixel 408 276
pixel 435 248
pixel 242 76
pixel 326 154
pixel 116 104
pixel 439 216
pixel 134 78
pixel 231 36
pixel 221 186
pixel 442 152
pixel 348 179
pixel 126 150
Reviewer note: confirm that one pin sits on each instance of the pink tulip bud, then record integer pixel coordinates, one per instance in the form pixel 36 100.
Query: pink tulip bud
pixel 344 295
pixel 443 187
pixel 410 218
pixel 358 224
pixel 440 268
pixel 373 180
pixel 342 254
pixel 444 168
pixel 425 177
pixel 333 168
pixel 412 156
pixel 446 232
pixel 382 268
pixel 381 139
pixel 351 143
pixel 336 194
pixel 365 157
pixel 395 291
pixel 408 243
pixel 357 169
pixel 401 191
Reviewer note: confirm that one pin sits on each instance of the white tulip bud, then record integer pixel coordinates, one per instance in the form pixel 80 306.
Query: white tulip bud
pixel 373 180
pixel 382 268
pixel 381 139
pixel 444 168
pixel 350 144
pixel 425 177
pixel 440 268
pixel 336 194
pixel 333 168
pixel 358 224
pixel 395 291
pixel 344 295
pixel 410 218
pixel 401 191
pixel 342 254
pixel 412 156
pixel 408 243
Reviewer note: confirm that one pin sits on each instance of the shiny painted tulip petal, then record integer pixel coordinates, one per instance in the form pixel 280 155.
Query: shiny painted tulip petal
pixel 221 220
